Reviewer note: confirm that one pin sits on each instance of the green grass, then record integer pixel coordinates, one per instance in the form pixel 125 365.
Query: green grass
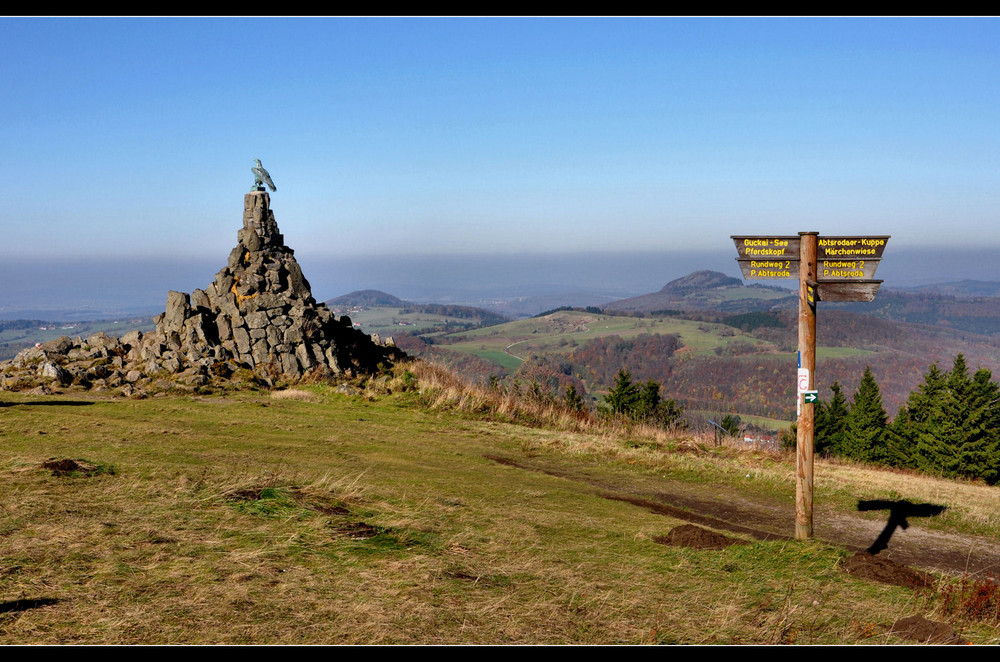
pixel 385 320
pixel 343 519
pixel 556 333
pixel 762 421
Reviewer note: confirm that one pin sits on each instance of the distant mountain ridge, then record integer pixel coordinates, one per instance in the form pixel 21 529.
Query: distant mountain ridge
pixel 699 281
pixel 962 288
pixel 708 290
pixel 367 298
pixel 378 298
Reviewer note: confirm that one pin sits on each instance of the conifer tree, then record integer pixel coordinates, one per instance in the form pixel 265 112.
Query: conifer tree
pixel 979 454
pixel 647 400
pixel 950 425
pixel 831 423
pixel 917 424
pixel 864 437
pixel 938 447
pixel 624 396
pixel 572 398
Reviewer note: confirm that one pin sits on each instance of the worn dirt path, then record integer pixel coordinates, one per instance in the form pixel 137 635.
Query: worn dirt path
pixel 728 509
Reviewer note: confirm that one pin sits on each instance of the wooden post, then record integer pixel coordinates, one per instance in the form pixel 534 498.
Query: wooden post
pixel 805 426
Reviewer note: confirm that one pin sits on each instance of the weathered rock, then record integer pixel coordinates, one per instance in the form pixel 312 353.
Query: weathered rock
pixel 242 339
pixel 101 339
pixel 260 308
pixel 49 370
pixel 132 338
pixel 59 345
pixel 199 299
pixel 29 356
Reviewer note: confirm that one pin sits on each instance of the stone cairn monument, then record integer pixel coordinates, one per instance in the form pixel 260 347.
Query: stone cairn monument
pixel 258 315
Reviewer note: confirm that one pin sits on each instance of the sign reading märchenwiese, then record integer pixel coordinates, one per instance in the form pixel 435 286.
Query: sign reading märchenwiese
pixel 848 248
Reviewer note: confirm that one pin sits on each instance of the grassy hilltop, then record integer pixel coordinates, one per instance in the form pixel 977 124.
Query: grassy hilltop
pixel 411 508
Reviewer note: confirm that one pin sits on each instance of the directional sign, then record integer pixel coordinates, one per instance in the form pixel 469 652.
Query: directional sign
pixel 852 269
pixel 757 269
pixel 839 258
pixel 850 247
pixel 858 290
pixel 767 248
pixel 839 269
pixel 810 396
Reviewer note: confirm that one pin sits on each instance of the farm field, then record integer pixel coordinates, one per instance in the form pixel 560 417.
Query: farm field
pixel 562 331
pixel 386 320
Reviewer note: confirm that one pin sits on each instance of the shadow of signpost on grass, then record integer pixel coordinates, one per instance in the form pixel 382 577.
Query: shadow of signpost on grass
pixel 61 403
pixel 898 512
pixel 12 606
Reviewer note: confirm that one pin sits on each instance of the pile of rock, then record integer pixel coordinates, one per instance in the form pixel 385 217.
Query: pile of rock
pixel 258 315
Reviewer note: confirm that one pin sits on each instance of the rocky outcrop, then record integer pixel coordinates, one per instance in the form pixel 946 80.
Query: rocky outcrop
pixel 258 315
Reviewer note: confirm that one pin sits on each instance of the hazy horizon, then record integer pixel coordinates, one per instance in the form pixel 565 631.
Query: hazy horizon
pixel 123 284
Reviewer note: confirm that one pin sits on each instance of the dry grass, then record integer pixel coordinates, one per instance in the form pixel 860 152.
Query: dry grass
pixel 446 390
pixel 377 518
pixel 972 506
pixel 292 394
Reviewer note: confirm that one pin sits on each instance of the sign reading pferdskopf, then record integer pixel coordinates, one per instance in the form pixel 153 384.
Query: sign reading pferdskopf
pixel 768 248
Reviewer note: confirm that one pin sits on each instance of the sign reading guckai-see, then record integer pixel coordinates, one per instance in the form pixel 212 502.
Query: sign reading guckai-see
pixel 828 269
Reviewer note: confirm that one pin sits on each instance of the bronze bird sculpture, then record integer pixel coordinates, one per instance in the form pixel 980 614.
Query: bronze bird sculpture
pixel 261 177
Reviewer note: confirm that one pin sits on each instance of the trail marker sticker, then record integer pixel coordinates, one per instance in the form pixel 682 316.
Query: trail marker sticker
pixel 803 379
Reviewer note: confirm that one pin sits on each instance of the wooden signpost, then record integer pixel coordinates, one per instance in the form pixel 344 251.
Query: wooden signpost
pixel 828 269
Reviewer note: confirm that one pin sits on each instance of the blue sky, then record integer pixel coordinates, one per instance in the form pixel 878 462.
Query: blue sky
pixel 134 137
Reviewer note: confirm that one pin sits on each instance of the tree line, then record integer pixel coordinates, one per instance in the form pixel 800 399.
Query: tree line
pixel 949 426
pixel 642 402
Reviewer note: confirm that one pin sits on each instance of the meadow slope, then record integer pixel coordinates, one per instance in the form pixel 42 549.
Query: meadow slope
pixel 398 514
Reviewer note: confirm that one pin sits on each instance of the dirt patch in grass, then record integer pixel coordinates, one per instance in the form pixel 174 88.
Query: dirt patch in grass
pixel 69 467
pixel 881 569
pixel 680 513
pixel 918 628
pixel 245 494
pixel 357 530
pixel 728 509
pixel 695 537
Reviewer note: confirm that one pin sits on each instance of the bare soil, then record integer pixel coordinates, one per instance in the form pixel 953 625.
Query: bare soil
pixel 918 628
pixel 728 509
pixel 66 466
pixel 695 537
pixel 885 571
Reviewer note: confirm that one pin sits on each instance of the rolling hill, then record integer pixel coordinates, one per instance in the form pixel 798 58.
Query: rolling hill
pixel 707 290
